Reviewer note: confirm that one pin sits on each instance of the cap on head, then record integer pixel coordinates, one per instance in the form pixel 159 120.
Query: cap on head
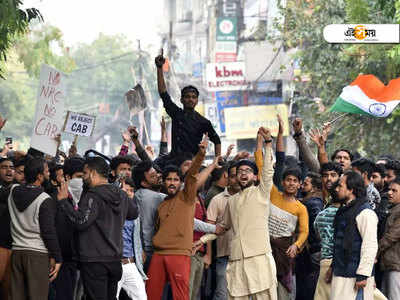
pixel 249 163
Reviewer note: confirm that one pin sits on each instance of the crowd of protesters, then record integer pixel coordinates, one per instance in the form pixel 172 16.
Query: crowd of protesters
pixel 256 226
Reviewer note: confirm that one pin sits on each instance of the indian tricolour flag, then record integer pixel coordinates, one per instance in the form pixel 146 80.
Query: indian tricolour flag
pixel 367 95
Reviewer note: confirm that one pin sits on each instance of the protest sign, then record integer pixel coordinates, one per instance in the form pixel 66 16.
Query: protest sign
pixel 79 124
pixel 49 113
pixel 238 127
pixel 136 99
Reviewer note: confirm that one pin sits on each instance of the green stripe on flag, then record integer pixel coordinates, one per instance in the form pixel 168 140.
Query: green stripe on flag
pixel 346 107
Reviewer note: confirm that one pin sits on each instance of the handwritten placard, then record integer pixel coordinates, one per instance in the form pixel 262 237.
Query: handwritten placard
pixel 79 124
pixel 49 119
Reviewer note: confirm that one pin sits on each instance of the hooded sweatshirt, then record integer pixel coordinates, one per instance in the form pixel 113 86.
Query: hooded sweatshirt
pixel 99 221
pixel 33 214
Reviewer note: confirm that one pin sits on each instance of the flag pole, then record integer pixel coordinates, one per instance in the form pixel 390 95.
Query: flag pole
pixel 338 118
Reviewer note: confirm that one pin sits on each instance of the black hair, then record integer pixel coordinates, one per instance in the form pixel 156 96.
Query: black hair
pixel 117 160
pixel 393 165
pixel 333 193
pixel 33 168
pixel 296 172
pixel 291 162
pixel 364 165
pixel 379 168
pixel 99 165
pixel 53 168
pixel 157 168
pixel 386 157
pixel 331 166
pixel 344 150
pixel 216 174
pixel 3 159
pixel 35 153
pixel 73 165
pixel 172 169
pixel 139 170
pixel 232 164
pixel 129 182
pixel 179 160
pixel 21 161
pixel 316 180
pixel 190 88
pixel 355 182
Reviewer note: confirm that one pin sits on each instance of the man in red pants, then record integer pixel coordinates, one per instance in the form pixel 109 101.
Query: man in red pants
pixel 174 236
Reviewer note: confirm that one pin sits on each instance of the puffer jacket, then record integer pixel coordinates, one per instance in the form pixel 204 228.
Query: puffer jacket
pixel 389 244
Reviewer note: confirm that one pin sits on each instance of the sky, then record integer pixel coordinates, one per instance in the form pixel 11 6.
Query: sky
pixel 81 21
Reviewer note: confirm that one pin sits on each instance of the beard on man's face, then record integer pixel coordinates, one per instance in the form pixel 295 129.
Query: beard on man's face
pixel 86 183
pixel 171 189
pixel 333 193
pixel 246 184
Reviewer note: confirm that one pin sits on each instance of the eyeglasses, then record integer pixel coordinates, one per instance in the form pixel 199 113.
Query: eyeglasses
pixel 244 171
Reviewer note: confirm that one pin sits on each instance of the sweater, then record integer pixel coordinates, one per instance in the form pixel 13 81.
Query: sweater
pixel 323 226
pixel 285 216
pixel 175 216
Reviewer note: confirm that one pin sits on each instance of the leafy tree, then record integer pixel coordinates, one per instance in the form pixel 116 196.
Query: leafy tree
pixel 14 22
pixel 106 69
pixel 18 92
pixel 330 67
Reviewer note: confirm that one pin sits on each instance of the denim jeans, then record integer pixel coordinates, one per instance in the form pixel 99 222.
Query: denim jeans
pixel 221 291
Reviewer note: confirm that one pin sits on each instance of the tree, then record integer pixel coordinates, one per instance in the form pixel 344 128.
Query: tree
pixel 330 67
pixel 14 22
pixel 106 69
pixel 18 92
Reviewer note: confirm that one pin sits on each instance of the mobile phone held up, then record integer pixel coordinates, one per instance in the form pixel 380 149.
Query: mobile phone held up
pixel 9 141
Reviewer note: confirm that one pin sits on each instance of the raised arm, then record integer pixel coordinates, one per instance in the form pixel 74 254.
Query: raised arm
pixel 170 107
pixel 2 122
pixel 160 61
pixel 205 173
pixel 164 139
pixel 319 138
pixel 126 140
pixel 267 170
pixel 280 147
pixel 190 189
pixel 141 152
pixel 304 149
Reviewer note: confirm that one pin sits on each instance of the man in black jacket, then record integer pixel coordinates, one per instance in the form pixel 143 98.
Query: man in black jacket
pixel 99 220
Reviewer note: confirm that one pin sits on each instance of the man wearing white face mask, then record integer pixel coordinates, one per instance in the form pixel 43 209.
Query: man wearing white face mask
pixel 73 172
pixel 65 283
